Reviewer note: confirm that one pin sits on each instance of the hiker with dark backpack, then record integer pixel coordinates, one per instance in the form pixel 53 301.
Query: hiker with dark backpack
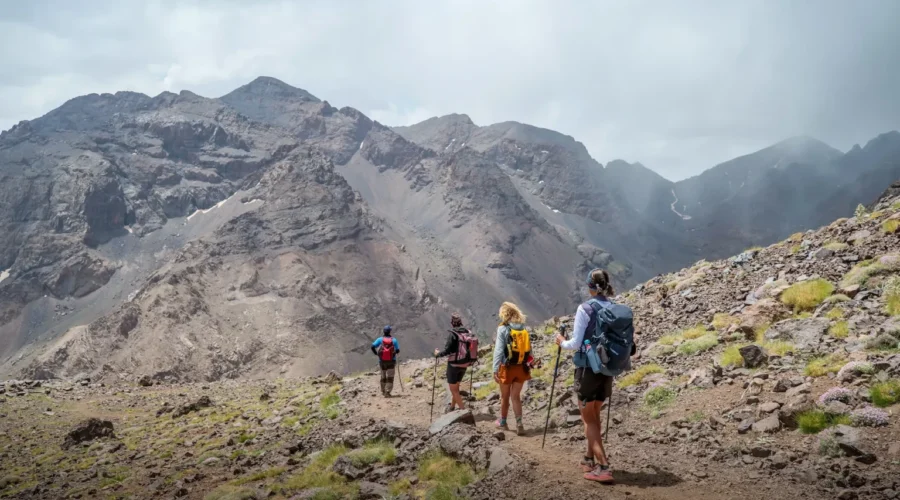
pixel 512 363
pixel 603 337
pixel 386 348
pixel 462 351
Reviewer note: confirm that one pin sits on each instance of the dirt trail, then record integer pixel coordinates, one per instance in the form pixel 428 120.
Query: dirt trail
pixel 642 471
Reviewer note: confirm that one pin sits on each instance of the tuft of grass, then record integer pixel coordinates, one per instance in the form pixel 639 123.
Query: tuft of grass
pixel 722 321
pixel 658 398
pixel 374 452
pixel 329 404
pixel 318 473
pixel 399 487
pixel 815 421
pixel 822 366
pixel 637 376
pixel 230 492
pixel 836 246
pixel 732 356
pixel 760 332
pixel 259 476
pixel 795 249
pixel 114 475
pixel 441 476
pixel 807 295
pixel 861 272
pixel 839 330
pixel 795 238
pixel 486 390
pixel 549 330
pixel 892 296
pixel 885 393
pixel 698 345
pixel 835 313
pixel 669 339
pixel 890 226
pixel 694 332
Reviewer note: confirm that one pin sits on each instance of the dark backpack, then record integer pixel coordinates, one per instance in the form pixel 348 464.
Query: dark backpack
pixel 607 350
pixel 386 349
pixel 466 349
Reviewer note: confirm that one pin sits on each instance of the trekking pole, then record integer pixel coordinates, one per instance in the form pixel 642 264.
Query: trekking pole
pixel 433 384
pixel 401 378
pixel 608 410
pixel 562 329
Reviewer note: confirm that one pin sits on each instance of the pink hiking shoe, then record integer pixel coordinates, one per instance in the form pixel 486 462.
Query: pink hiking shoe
pixel 500 424
pixel 600 475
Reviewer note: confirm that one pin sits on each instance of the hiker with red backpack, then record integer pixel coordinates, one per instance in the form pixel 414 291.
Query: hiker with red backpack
pixel 603 337
pixel 462 351
pixel 386 348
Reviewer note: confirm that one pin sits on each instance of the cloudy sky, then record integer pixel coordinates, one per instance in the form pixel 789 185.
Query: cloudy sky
pixel 679 86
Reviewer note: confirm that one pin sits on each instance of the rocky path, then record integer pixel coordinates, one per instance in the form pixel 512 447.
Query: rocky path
pixel 643 471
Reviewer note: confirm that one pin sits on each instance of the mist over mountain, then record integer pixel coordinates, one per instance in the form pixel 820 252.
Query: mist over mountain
pixel 267 231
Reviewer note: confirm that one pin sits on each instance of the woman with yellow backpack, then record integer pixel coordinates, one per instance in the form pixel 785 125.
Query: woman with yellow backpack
pixel 512 355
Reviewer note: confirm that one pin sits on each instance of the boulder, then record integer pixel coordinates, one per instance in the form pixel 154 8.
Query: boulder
pixel 202 402
pixel 822 253
pixel 145 381
pixel 763 312
pixel 849 291
pixel 344 467
pixel 448 419
pixel 769 425
pixel 805 334
pixel 372 491
pixel 499 460
pixel 769 407
pixel 753 356
pixel 88 430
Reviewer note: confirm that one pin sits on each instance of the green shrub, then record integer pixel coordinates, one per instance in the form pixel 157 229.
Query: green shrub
pixel 860 213
pixel 778 347
pixel 486 390
pixel 860 273
pixel 230 492
pixel 637 376
pixel 258 476
pixel 835 246
pixel 807 295
pixel 318 473
pixel 329 404
pixel 890 226
pixel 815 421
pixel 837 298
pixel 795 249
pixel 885 393
pixel 892 296
pixel 732 356
pixel 839 330
pixel 698 345
pixel 819 367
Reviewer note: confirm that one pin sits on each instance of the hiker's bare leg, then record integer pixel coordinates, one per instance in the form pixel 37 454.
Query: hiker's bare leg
pixel 588 452
pixel 504 401
pixel 455 397
pixel 516 396
pixel 591 414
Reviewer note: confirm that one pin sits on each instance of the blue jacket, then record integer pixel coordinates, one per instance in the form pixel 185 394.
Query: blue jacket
pixel 377 344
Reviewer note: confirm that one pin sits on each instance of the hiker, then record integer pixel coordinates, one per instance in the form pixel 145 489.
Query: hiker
pixel 591 388
pixel 386 348
pixel 512 355
pixel 462 349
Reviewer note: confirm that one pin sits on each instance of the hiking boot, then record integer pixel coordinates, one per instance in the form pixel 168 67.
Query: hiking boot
pixel 587 464
pixel 448 408
pixel 603 476
pixel 520 429
pixel 500 424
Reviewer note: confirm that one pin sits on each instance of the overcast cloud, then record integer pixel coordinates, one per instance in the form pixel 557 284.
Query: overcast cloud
pixel 677 85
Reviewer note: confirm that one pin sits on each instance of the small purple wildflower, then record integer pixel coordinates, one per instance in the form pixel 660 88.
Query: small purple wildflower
pixel 869 416
pixel 836 394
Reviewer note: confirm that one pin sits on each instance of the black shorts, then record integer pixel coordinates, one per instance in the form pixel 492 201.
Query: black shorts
pixel 590 386
pixel 455 374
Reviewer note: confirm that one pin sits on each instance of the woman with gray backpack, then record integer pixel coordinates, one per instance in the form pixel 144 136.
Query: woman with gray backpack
pixel 603 337
pixel 462 351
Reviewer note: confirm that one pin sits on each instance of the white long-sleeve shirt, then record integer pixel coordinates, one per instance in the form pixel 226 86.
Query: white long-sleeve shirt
pixel 582 321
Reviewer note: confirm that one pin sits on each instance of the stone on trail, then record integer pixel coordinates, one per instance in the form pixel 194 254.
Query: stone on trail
pixel 145 381
pixel 372 491
pixel 203 402
pixel 448 419
pixel 769 407
pixel 753 356
pixel 803 333
pixel 499 460
pixel 745 425
pixel 88 430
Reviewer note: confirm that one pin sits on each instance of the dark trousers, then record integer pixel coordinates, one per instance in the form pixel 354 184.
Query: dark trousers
pixel 387 376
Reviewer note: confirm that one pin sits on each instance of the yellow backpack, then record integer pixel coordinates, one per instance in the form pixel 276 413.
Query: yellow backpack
pixel 518 345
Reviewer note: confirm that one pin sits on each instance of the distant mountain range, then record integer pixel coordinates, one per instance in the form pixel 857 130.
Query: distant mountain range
pixel 267 231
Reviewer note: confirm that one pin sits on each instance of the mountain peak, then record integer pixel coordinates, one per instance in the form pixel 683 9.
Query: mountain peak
pixel 267 86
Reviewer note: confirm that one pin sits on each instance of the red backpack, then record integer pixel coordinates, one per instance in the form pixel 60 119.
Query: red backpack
pixel 386 349
pixel 467 350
